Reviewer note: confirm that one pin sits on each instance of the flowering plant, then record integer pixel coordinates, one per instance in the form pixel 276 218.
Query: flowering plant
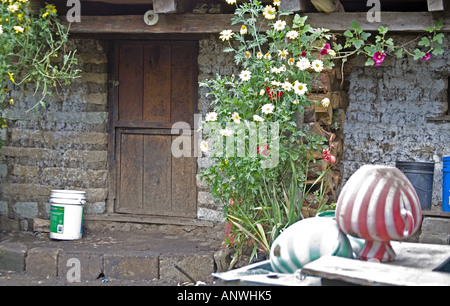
pixel 261 151
pixel 32 51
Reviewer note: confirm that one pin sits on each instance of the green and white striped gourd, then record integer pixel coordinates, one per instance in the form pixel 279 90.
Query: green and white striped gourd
pixel 306 241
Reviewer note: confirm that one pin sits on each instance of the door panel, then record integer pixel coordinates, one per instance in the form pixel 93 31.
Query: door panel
pixel 157 87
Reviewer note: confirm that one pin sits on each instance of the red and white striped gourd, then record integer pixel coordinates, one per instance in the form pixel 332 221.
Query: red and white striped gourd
pixel 378 204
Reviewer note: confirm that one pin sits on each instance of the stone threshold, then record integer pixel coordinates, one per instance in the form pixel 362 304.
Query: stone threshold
pixel 143 219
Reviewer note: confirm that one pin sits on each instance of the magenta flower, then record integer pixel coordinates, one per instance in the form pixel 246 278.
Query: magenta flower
pixel 325 49
pixel 426 57
pixel 378 57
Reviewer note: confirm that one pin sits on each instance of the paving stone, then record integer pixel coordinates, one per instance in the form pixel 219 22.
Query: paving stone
pixel 42 262
pixel 90 264
pixel 12 256
pixel 132 266
pixel 198 266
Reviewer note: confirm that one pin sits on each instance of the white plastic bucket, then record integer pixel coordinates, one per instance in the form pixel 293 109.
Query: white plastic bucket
pixel 66 214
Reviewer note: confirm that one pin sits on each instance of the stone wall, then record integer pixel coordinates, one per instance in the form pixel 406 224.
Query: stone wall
pixel 386 120
pixel 63 147
pixel 66 146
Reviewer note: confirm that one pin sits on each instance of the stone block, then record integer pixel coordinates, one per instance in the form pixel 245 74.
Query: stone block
pixel 132 266
pixel 12 256
pixel 198 266
pixel 26 209
pixel 91 264
pixel 42 262
pixel 435 230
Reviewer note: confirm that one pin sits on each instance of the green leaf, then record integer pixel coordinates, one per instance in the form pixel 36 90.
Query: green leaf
pixel 439 38
pixel 418 54
pixel 424 42
pixel 383 30
pixel 365 35
pixel 355 25
pixel 370 62
pixel 399 53
pixel 438 50
pixel 358 43
pixel 348 33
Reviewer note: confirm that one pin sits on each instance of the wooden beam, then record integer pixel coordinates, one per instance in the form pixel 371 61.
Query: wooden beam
pixel 435 5
pixel 121 1
pixel 172 23
pixel 394 21
pixel 215 23
pixel 295 5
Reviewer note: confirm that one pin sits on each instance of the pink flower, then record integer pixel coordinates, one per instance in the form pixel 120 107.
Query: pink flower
pixel 378 57
pixel 426 57
pixel 325 49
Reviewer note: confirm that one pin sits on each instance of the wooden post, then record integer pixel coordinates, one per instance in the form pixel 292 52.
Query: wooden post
pixel 435 5
pixel 295 5
pixel 164 6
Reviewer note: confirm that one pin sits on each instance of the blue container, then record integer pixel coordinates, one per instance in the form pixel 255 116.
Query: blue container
pixel 446 184
pixel 421 177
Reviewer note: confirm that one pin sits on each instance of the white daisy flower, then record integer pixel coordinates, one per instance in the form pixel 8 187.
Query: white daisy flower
pixel 287 86
pixel 258 118
pixel 300 88
pixel 279 25
pixel 317 65
pixel 204 146
pixel 226 35
pixel 326 102
pixel 212 116
pixel 267 108
pixel 303 63
pixel 236 118
pixel 245 75
pixel 292 34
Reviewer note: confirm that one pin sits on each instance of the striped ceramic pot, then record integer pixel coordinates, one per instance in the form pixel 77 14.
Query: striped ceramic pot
pixel 306 241
pixel 378 204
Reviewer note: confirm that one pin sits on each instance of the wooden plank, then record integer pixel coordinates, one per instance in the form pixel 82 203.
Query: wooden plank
pixel 183 96
pixel 157 82
pixel 435 5
pixel 121 1
pixel 215 23
pixel 157 176
pixel 295 5
pixel 184 186
pixel 130 173
pixel 373 274
pixel 130 82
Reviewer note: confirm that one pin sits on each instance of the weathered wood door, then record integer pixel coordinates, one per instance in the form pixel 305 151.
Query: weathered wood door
pixel 157 86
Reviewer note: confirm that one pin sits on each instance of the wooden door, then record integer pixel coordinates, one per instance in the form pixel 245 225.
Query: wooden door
pixel 157 86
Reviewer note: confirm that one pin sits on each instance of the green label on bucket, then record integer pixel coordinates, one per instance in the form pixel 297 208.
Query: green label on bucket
pixel 57 219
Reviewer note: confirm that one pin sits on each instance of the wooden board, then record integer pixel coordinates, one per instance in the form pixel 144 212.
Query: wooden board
pixel 435 5
pixel 412 267
pixel 215 23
